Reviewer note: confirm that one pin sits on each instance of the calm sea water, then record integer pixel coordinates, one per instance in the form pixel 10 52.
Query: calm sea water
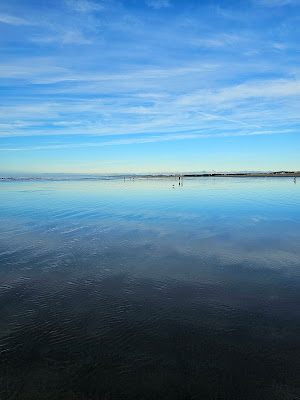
pixel 139 290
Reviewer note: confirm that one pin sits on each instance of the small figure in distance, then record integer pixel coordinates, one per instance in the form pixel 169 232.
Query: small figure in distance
pixel 295 179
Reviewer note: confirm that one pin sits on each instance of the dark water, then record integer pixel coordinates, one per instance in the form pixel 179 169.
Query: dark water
pixel 138 290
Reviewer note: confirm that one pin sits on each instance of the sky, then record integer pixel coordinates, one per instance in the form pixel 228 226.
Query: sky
pixel 141 86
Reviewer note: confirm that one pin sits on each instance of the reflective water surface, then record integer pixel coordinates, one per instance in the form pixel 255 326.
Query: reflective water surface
pixel 141 290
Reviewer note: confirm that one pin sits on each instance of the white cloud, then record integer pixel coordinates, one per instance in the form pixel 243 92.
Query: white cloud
pixel 75 37
pixel 279 46
pixel 260 106
pixel 69 123
pixel 157 4
pixel 85 5
pixel 276 3
pixel 258 89
pixel 134 78
pixel 68 37
pixel 143 140
pixel 12 20
pixel 29 69
pixel 220 40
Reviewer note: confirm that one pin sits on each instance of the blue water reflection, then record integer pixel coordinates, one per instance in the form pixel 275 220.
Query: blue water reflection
pixel 136 289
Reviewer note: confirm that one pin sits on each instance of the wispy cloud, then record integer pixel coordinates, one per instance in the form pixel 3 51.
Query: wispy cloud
pixel 266 89
pixel 157 4
pixel 44 72
pixel 253 104
pixel 12 20
pixel 276 3
pixel 144 140
pixel 85 5
pixel 116 73
pixel 67 37
pixel 30 69
pixel 216 40
pixel 280 46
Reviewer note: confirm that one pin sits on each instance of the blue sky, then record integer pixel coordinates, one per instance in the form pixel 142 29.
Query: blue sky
pixel 149 86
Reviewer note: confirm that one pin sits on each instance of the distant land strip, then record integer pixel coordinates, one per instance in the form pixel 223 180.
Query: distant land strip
pixel 250 174
pixel 278 174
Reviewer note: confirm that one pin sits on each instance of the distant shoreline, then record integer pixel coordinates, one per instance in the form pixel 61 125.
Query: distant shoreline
pixel 280 174
pixel 232 175
pixel 249 175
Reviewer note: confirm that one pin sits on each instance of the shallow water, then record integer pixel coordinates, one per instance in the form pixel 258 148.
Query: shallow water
pixel 138 290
